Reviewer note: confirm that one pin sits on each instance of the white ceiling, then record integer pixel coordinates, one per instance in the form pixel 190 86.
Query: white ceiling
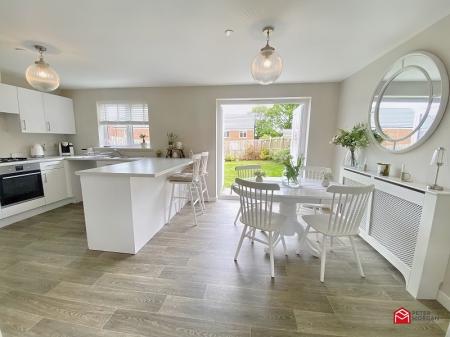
pixel 121 43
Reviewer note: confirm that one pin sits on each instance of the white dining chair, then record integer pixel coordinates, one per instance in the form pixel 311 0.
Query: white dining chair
pixel 256 201
pixel 346 211
pixel 188 184
pixel 314 173
pixel 203 175
pixel 244 172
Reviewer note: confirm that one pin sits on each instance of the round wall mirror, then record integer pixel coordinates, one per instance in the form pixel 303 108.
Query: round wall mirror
pixel 409 102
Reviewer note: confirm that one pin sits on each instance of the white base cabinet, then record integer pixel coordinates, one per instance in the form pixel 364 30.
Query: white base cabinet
pixel 54 180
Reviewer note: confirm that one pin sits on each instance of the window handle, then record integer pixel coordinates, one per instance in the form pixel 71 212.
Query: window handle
pixel 24 124
pixel 48 126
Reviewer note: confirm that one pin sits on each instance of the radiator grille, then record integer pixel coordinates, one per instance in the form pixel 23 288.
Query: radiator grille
pixel 395 224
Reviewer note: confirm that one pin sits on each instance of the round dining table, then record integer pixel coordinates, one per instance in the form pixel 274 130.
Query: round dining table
pixel 310 191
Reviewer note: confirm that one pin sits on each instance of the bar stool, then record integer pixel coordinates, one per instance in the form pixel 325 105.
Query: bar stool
pixel 188 188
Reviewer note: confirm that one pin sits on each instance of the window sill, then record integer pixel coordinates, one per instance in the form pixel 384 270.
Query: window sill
pixel 124 148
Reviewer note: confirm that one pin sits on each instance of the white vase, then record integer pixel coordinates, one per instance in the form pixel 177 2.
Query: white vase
pixel 259 179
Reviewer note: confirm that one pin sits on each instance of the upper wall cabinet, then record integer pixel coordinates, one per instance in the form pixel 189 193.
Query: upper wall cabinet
pixel 45 113
pixel 59 114
pixel 8 99
pixel 31 108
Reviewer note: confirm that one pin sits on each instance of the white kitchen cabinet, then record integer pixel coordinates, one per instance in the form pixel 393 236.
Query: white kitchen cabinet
pixel 31 111
pixel 59 114
pixel 54 181
pixel 8 99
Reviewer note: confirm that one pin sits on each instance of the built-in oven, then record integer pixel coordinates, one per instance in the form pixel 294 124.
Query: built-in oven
pixel 20 183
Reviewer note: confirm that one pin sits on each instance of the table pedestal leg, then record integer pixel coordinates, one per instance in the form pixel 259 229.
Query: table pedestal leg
pixel 292 226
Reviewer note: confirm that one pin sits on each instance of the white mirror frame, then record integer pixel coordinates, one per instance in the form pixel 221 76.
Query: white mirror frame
pixel 439 114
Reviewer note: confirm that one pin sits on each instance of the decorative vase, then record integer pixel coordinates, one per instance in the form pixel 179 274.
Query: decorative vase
pixel 325 182
pixel 292 182
pixel 352 158
pixel 259 179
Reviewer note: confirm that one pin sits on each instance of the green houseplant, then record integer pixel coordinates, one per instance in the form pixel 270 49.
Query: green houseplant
pixel 259 174
pixel 353 139
pixel 292 170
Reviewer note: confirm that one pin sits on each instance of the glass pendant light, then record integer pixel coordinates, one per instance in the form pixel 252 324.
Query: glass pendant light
pixel 40 75
pixel 267 65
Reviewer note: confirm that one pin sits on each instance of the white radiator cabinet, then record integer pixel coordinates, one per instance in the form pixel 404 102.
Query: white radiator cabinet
pixel 410 227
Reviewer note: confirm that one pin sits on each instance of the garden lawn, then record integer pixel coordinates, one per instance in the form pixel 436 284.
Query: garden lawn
pixel 271 168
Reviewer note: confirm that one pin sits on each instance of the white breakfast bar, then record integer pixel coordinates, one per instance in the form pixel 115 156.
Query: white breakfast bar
pixel 126 204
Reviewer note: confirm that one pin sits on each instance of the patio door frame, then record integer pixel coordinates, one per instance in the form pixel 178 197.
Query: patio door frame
pixel 306 101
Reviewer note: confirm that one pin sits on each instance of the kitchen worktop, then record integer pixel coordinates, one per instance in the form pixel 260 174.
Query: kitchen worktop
pixel 77 158
pixel 148 167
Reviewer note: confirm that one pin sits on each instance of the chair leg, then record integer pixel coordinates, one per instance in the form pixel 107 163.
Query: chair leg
pixel 272 267
pixel 191 196
pixel 171 203
pixel 244 231
pixel 284 244
pixel 199 188
pixel 331 243
pixel 323 257
pixel 206 188
pixel 302 239
pixel 253 235
pixel 237 216
pixel 358 260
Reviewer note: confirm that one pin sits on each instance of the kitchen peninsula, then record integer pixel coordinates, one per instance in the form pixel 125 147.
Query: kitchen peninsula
pixel 126 204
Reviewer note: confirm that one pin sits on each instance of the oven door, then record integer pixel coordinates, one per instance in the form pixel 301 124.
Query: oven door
pixel 20 186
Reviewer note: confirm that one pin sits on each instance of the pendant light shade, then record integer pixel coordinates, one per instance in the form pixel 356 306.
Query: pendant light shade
pixel 40 75
pixel 267 65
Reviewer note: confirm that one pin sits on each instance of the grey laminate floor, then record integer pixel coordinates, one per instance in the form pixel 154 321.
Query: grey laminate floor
pixel 185 283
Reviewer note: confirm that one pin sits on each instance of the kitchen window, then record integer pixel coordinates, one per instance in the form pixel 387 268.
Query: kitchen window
pixel 122 123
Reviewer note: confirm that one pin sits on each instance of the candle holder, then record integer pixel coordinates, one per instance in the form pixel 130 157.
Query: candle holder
pixel 438 159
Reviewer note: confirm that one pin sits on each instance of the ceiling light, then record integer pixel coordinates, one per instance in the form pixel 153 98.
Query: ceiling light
pixel 267 65
pixel 40 75
pixel 228 32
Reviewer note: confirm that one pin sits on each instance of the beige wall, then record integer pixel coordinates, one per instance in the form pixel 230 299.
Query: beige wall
pixel 190 112
pixel 356 93
pixel 12 140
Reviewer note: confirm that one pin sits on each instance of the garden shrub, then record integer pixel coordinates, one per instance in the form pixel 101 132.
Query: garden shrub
pixel 280 155
pixel 264 154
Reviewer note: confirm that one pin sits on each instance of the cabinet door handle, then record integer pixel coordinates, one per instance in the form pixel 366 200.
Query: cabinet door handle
pixel 48 126
pixel 24 122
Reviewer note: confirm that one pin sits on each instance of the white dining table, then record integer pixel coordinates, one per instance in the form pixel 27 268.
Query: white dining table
pixel 309 191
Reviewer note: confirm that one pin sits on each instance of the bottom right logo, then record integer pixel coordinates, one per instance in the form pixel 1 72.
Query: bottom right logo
pixel 402 316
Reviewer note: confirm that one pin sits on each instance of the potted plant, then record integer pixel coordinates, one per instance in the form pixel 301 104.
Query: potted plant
pixel 259 174
pixel 171 138
pixel 292 170
pixel 352 140
pixel 143 136
pixel 159 153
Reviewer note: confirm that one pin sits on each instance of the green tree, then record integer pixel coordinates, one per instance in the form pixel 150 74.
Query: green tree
pixel 273 120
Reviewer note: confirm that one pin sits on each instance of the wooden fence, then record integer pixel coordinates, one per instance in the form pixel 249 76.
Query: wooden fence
pixel 251 148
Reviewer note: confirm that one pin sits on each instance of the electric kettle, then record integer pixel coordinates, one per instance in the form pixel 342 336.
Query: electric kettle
pixel 37 151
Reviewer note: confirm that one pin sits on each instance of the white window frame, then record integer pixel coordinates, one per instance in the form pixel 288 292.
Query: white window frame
pixel 129 124
pixel 242 132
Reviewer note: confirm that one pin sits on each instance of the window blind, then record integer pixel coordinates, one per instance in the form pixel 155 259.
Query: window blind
pixel 123 112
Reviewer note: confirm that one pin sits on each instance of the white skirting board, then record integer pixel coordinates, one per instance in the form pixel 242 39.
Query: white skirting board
pixel 444 299
pixel 28 214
